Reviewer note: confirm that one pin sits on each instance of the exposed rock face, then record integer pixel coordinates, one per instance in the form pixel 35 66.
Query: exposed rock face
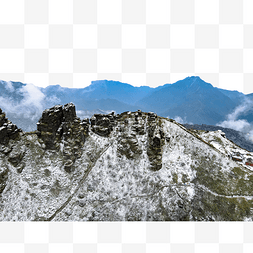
pixel 135 166
pixel 60 128
pixel 51 120
pixel 58 122
pixel 55 122
pixel 102 124
pixel 155 140
pixel 7 129
pixel 69 112
pixel 3 178
pixel 16 155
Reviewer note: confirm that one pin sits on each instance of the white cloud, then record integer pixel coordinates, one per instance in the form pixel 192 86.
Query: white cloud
pixel 33 98
pixel 179 120
pixel 240 125
pixel 32 102
pixel 9 86
pixel 246 106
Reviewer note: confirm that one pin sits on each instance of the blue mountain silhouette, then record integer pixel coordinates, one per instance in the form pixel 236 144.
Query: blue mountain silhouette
pixel 192 99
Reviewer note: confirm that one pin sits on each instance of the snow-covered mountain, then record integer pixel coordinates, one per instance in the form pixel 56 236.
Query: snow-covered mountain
pixel 121 167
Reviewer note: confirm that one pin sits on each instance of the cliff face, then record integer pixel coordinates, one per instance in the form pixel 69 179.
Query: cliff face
pixel 132 166
pixel 7 129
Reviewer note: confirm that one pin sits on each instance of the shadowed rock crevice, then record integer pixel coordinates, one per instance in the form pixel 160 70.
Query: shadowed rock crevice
pixel 3 178
pixel 155 141
pixel 130 127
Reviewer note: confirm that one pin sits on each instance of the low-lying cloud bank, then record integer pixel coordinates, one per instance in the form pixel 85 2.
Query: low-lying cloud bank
pixel 32 104
pixel 181 120
pixel 25 104
pixel 240 125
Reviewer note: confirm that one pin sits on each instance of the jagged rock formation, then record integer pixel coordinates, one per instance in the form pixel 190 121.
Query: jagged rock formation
pixel 129 166
pixel 58 122
pixel 156 141
pixel 59 128
pixel 102 124
pixel 7 129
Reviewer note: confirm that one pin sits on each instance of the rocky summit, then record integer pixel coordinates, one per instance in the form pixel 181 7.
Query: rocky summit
pixel 133 166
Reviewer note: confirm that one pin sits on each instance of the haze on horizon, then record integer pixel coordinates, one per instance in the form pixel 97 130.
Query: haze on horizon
pixel 135 83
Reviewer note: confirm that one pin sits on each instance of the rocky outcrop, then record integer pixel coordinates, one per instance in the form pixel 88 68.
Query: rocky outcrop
pixel 69 112
pixel 128 146
pixel 102 124
pixel 130 125
pixel 3 178
pixel 61 122
pixel 7 129
pixel 16 155
pixel 138 125
pixel 51 120
pixel 59 128
pixel 155 141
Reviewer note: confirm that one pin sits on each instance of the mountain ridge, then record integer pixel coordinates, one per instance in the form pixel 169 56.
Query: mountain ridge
pixel 173 100
pixel 133 166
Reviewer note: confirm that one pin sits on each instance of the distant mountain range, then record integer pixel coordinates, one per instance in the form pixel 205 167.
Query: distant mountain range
pixel 191 99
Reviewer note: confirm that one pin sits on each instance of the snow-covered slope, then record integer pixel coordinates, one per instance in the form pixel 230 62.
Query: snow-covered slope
pixel 132 166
